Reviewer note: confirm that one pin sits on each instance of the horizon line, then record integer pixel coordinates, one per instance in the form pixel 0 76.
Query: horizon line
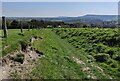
pixel 62 16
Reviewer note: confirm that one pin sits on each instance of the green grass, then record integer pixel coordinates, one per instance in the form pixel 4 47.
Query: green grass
pixel 58 62
pixel 60 46
pixel 93 42
pixel 12 42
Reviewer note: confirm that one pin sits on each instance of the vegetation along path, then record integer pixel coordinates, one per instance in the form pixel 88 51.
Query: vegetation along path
pixel 63 61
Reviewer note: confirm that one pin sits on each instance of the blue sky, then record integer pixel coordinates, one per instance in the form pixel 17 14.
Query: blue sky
pixel 60 0
pixel 54 9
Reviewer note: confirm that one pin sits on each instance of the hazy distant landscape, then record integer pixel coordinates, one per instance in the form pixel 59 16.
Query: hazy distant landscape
pixel 101 20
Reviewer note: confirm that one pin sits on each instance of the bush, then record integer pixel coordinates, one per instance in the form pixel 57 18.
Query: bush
pixel 117 58
pixel 114 65
pixel 101 57
pixel 110 61
pixel 110 52
pixel 119 69
pixel 100 49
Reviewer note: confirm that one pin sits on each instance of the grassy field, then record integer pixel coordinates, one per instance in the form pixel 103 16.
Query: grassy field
pixel 70 53
pixel 12 43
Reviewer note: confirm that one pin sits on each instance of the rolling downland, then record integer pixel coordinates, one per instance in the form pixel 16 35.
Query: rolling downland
pixel 69 53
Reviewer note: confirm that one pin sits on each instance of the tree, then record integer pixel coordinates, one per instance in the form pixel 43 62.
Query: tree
pixel 84 26
pixel 14 24
pixel 29 26
pixel 43 24
pixel 33 23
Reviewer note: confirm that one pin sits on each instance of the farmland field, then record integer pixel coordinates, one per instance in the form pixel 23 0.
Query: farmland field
pixel 70 53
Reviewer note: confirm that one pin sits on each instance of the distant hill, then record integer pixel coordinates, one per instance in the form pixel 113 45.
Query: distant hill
pixel 101 17
pixel 86 18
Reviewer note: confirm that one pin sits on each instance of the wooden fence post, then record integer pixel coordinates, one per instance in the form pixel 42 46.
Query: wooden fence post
pixel 4 26
pixel 21 27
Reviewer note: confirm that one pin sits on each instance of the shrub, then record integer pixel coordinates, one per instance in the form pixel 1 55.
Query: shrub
pixel 119 69
pixel 64 37
pixel 101 57
pixel 117 58
pixel 114 65
pixel 110 52
pixel 110 61
pixel 100 49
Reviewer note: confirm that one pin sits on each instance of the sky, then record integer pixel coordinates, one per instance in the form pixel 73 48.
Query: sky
pixel 55 9
pixel 60 0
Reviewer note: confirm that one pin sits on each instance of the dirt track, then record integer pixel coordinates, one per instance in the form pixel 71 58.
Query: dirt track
pixel 12 69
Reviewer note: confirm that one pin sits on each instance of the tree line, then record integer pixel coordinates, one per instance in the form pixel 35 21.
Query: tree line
pixel 16 24
pixel 21 24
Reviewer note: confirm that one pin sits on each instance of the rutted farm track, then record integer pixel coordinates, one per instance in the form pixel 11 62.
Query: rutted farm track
pixel 14 66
